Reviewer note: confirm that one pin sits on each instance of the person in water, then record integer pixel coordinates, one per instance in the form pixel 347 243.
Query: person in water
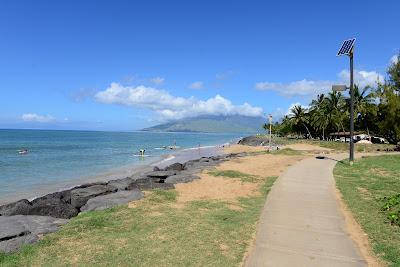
pixel 141 151
pixel 23 151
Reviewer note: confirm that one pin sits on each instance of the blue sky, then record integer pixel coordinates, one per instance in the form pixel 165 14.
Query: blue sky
pixel 124 65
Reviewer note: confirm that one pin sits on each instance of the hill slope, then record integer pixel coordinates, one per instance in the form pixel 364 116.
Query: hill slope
pixel 212 124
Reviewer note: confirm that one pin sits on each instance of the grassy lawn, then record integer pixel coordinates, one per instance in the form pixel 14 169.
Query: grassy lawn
pixel 154 233
pixel 365 187
pixel 337 146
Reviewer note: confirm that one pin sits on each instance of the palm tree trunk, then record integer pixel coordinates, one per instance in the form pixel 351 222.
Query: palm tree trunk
pixel 323 134
pixel 307 130
pixel 341 124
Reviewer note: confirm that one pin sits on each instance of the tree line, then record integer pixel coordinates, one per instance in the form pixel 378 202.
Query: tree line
pixel 376 111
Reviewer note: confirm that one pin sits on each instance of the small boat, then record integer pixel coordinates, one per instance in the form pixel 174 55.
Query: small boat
pixel 23 151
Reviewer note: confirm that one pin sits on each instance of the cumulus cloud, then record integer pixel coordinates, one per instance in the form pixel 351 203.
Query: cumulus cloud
pixel 196 85
pixel 394 59
pixel 296 88
pixel 157 80
pixel 311 88
pixel 172 107
pixel 33 117
pixel 362 78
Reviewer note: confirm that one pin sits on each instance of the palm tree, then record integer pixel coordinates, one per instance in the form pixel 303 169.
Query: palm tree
pixel 364 105
pixel 319 114
pixel 299 118
pixel 337 111
pixel 266 127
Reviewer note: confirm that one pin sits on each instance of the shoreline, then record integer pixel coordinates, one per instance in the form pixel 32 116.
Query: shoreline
pixel 161 161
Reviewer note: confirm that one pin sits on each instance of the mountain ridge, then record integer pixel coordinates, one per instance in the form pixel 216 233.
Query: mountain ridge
pixel 212 124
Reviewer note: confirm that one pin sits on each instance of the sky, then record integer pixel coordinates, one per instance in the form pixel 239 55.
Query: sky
pixel 125 65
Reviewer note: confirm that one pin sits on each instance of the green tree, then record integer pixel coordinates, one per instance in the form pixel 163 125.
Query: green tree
pixel 389 104
pixel 364 107
pixel 299 118
pixel 337 110
pixel 319 115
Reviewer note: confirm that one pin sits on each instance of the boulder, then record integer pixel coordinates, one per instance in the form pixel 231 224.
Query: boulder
pixel 160 174
pixel 147 184
pixel 204 159
pixel 16 208
pixel 181 178
pixel 21 229
pixel 80 196
pixel 175 167
pixel 143 183
pixel 111 200
pixel 123 184
pixel 199 164
pixel 53 207
pixel 62 195
pixel 90 184
pixel 254 141
pixel 164 186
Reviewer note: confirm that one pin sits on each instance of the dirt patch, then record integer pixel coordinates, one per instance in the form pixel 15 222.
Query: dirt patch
pixel 216 188
pixel 379 172
pixel 357 234
pixel 243 148
pixel 230 189
pixel 261 165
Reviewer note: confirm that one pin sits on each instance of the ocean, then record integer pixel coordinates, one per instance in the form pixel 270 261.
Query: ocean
pixel 58 159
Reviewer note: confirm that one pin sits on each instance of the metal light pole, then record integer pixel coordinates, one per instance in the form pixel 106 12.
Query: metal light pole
pixel 270 129
pixel 351 157
pixel 348 49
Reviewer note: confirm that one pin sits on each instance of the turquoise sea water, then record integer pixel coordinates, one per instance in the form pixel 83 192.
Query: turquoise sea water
pixel 60 157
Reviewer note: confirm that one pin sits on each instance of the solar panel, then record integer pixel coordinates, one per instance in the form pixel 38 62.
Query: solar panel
pixel 347 47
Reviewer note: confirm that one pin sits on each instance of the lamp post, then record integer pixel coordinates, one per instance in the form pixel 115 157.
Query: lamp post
pixel 351 158
pixel 348 49
pixel 270 129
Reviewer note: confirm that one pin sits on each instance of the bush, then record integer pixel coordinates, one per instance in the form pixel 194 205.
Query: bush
pixel 392 206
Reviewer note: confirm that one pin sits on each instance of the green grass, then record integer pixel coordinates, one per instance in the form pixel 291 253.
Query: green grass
pixel 364 187
pixel 337 146
pixel 155 233
pixel 244 177
pixel 287 152
pixel 284 151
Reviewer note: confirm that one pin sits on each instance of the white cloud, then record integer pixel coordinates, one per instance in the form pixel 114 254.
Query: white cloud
pixel 37 118
pixel 311 88
pixel 394 59
pixel 196 85
pixel 296 88
pixel 172 107
pixel 361 77
pixel 157 80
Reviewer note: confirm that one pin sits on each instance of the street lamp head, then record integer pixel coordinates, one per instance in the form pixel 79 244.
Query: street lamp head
pixel 339 88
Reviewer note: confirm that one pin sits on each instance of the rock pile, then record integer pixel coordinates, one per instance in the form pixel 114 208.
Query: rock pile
pixel 254 141
pixel 46 213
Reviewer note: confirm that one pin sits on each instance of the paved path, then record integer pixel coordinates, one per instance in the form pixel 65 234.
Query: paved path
pixel 301 224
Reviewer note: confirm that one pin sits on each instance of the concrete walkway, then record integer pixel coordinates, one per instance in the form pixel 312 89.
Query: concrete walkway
pixel 301 224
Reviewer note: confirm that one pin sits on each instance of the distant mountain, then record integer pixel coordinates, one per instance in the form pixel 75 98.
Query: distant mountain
pixel 212 124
